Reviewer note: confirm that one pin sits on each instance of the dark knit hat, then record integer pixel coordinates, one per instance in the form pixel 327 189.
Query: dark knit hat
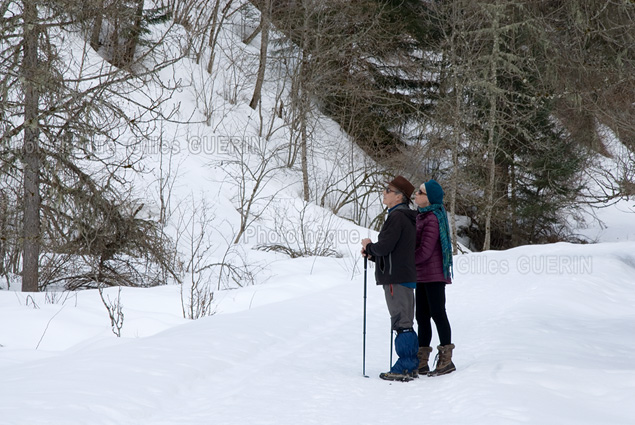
pixel 434 192
pixel 403 185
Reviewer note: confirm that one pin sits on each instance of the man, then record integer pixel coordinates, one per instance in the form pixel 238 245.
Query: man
pixel 394 258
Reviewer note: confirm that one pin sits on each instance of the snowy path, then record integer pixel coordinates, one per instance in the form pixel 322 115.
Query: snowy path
pixel 536 349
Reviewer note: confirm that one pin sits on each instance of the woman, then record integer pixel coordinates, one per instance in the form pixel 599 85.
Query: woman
pixel 433 256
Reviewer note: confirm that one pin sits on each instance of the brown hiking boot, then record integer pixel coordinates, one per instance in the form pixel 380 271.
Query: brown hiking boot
pixel 424 355
pixel 396 376
pixel 444 361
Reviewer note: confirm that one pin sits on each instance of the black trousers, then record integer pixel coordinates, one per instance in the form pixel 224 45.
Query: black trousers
pixel 430 304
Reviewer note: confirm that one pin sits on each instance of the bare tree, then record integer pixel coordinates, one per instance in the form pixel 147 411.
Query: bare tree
pixel 117 26
pixel 492 120
pixel 211 261
pixel 303 231
pixel 114 309
pixel 216 23
pixel 252 166
pixel 265 18
pixel 68 117
pixel 31 74
pixel 197 291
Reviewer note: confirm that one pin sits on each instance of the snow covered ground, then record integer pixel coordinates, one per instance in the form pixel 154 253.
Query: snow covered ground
pixel 544 335
pixel 611 224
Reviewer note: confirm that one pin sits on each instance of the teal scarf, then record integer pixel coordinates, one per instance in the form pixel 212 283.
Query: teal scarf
pixel 444 234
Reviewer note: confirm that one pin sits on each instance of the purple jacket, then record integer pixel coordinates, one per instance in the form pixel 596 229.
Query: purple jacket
pixel 428 256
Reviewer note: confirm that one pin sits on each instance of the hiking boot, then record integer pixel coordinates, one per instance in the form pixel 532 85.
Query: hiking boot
pixel 444 361
pixel 395 376
pixel 423 355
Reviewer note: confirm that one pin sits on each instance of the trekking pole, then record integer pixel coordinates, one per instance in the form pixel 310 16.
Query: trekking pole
pixel 365 290
pixel 391 335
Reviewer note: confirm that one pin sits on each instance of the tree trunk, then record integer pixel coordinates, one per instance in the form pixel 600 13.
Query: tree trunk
pixel 304 108
pixel 213 31
pixel 491 134
pixel 114 42
pixel 134 36
pixel 304 147
pixel 95 35
pixel 264 44
pixel 31 151
pixel 254 33
pixel 514 218
pixel 215 28
pixel 4 230
pixel 454 182
pixel 456 135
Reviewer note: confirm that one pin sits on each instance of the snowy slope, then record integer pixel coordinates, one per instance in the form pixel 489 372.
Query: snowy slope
pixel 544 335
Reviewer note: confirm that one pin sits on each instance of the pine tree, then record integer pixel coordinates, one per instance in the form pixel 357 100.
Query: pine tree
pixel 78 221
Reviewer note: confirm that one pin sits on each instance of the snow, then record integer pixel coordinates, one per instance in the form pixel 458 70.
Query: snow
pixel 541 343
pixel 544 334
pixel 611 224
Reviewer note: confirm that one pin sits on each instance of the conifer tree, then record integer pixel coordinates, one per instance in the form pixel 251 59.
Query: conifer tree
pixel 62 140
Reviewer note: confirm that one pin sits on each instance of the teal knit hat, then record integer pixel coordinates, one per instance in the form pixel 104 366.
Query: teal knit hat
pixel 434 192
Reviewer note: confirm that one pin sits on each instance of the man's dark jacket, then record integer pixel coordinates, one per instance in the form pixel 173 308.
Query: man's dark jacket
pixel 394 251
